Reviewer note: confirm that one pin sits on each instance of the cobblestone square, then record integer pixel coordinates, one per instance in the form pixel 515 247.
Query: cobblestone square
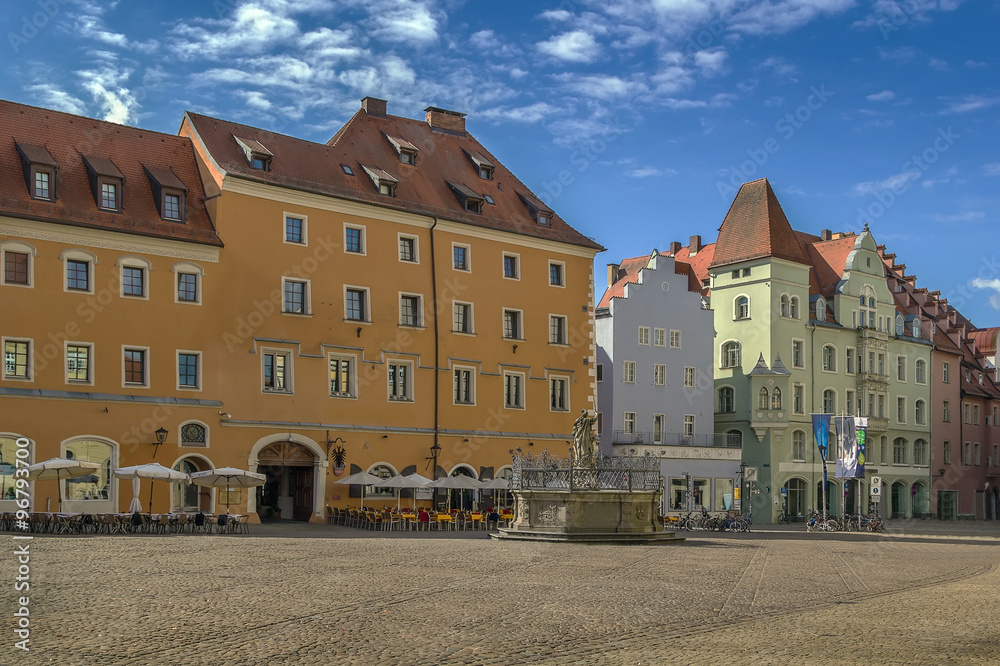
pixel 330 595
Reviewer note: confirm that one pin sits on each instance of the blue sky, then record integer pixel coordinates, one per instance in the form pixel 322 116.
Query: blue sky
pixel 635 120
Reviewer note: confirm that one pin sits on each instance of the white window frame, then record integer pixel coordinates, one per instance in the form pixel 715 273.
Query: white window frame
pixel 916 373
pixel 83 256
pixel 690 423
pixel 134 262
pixel 146 367
pixel 90 363
pixel 736 308
pixel 851 368
pixel 517 266
pixel 628 372
pixel 471 317
pixel 177 365
pixel 901 366
pixel 523 385
pixel 364 239
pixel 690 376
pixel 801 390
pixel 673 337
pixel 187 268
pixel 29 367
pixel 520 323
pixel 661 335
pixel 471 369
pixel 802 355
pixel 566 396
pixel 599 372
pixel 468 257
pixel 644 333
pixel 562 273
pixel 920 405
pixel 658 424
pixel 901 409
pixel 289 373
pixel 352 389
pixel 305 229
pixel 628 423
pixel 367 304
pixel 419 309
pixel 721 406
pixel 793 307
pixel 416 248
pixel 724 360
pixel 565 330
pixel 18 247
pixel 659 374
pixel 408 384
pixel 797 458
pixel 832 369
pixel 306 297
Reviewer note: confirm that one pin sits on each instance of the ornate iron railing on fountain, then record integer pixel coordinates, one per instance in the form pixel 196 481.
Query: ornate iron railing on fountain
pixel 548 472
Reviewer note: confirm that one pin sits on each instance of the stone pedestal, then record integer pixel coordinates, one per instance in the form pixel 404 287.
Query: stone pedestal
pixel 596 516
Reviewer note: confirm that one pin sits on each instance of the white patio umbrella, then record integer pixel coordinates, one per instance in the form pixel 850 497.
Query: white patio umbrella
pixel 59 469
pixel 459 481
pixel 230 477
pixel 497 483
pixel 151 471
pixel 363 479
pixel 400 481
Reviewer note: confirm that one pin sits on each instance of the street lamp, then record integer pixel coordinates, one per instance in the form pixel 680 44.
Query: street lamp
pixel 161 436
pixel 435 450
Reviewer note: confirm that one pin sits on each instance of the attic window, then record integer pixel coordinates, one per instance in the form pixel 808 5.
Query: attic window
pixel 348 170
pixel 257 156
pixel 168 192
pixel 39 171
pixel 406 151
pixel 384 183
pixel 538 211
pixel 471 200
pixel 107 183
pixel 489 199
pixel 483 166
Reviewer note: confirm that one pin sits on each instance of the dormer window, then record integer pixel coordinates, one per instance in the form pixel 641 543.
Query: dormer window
pixel 348 170
pixel 256 155
pixel 384 183
pixel 169 193
pixel 39 171
pixel 537 210
pixel 483 166
pixel 471 200
pixel 406 151
pixel 106 182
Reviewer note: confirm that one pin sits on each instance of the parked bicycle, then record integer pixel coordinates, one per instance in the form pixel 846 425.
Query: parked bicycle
pixel 820 524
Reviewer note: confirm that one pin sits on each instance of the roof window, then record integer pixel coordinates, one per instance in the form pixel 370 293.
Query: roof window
pixel 39 171
pixel 384 183
pixel 348 170
pixel 483 166
pixel 169 193
pixel 257 156
pixel 471 200
pixel 537 210
pixel 107 183
pixel 406 151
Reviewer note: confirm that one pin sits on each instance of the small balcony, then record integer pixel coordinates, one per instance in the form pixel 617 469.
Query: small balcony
pixel 677 439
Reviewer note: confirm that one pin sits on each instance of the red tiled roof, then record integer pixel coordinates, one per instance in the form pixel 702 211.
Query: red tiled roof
pixel 628 271
pixel 756 227
pixel 828 259
pixel 423 188
pixel 109 147
pixel 699 264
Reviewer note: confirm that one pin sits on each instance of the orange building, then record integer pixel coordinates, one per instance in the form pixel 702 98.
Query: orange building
pixel 395 293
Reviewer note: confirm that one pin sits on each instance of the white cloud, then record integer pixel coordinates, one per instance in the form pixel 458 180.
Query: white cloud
pixel 892 15
pixel 575 46
pixel 884 96
pixel 900 54
pixel 715 101
pixel 781 16
pixel 517 73
pixel 560 15
pixel 600 86
pixel 256 100
pixel 970 103
pixel 651 172
pixel 711 62
pixel 106 85
pixel 523 114
pixel 51 97
pixel 939 65
pixel 992 169
pixel 406 21
pixel 340 44
pixel 896 183
pixel 967 216
pixel 981 283
pixel 780 67
pixel 252 29
pixel 974 64
pixel 945 177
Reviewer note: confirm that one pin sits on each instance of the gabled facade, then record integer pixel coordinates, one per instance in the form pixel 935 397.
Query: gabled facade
pixel 654 367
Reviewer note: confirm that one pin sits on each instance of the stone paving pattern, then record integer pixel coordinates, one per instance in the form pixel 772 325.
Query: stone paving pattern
pixel 301 597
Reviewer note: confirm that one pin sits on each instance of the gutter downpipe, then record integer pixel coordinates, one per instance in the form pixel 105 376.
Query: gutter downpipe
pixel 437 346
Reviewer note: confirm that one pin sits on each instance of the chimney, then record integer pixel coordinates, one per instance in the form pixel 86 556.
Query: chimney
pixel 613 273
pixel 675 247
pixel 826 235
pixel 694 245
pixel 374 106
pixel 443 119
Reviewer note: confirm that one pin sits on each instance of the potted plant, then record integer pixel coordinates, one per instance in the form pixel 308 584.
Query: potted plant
pixel 338 456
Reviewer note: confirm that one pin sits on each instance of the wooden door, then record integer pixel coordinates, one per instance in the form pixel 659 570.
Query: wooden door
pixel 301 479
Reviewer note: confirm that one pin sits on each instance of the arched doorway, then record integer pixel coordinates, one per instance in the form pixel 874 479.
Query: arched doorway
pixel 795 502
pixel 897 504
pixel 831 489
pixel 288 493
pixel 187 497
pixel 852 491
pixel 993 506
pixel 463 498
pixel 921 500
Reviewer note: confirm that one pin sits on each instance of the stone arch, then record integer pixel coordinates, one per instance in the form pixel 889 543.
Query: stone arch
pixel 206 501
pixel 320 466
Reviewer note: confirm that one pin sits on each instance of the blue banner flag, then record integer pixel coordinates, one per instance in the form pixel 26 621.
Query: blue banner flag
pixel 821 431
pixel 861 435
